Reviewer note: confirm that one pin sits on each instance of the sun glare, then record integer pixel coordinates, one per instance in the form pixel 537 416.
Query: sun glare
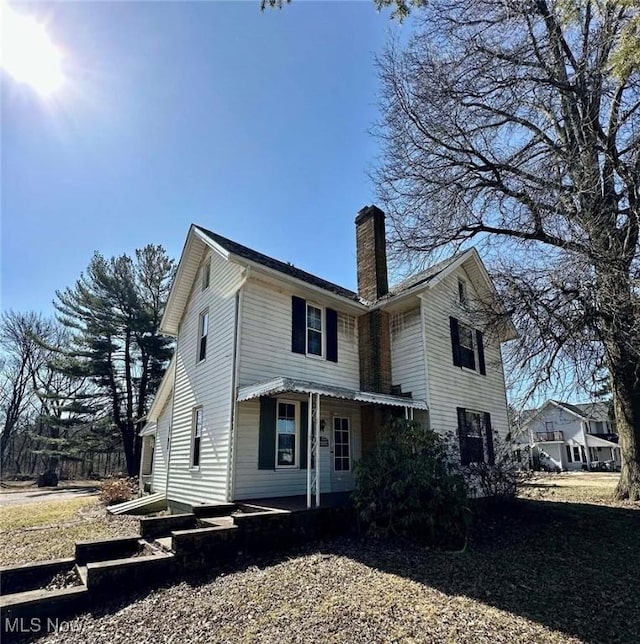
pixel 28 54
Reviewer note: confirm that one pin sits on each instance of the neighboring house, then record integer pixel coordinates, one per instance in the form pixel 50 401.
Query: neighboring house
pixel 280 379
pixel 565 436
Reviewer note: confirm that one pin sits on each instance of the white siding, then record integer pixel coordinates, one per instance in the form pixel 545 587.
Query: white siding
pixel 206 384
pixel 252 483
pixel 159 472
pixel 265 351
pixel 407 353
pixel 451 386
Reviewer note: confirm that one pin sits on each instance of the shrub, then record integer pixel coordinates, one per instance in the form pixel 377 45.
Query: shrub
pixel 500 481
pixel 407 487
pixel 118 490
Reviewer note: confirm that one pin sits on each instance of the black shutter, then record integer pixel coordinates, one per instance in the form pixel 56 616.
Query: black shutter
pixel 491 457
pixel 455 342
pixel 304 434
pixel 332 335
pixel 298 325
pixel 267 438
pixel 481 364
pixel 464 457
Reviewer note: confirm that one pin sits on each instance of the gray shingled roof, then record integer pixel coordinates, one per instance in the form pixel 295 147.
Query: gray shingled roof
pixel 423 276
pixel 595 410
pixel 275 264
pixel 573 408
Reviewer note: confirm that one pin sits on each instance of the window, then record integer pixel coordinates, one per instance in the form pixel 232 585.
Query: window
pixel 206 274
pixel 467 346
pixel 576 454
pixel 341 456
pixel 286 434
pixel 599 427
pixel 314 330
pixel 569 457
pixel 203 332
pixel 197 437
pixel 149 443
pixel 471 426
pixel 548 426
pixel 462 291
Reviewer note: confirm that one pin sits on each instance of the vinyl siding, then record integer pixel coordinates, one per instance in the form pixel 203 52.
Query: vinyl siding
pixel 265 350
pixel 451 386
pixel 407 353
pixel 206 384
pixel 252 483
pixel 159 473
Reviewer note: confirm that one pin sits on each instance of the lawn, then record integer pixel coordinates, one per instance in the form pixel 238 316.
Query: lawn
pixel 42 530
pixel 538 571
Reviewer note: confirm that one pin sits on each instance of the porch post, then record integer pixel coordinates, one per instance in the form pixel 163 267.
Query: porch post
pixel 317 450
pixel 309 455
pixel 406 413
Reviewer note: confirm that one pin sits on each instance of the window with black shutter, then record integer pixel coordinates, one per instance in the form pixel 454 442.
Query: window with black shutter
pixel 314 330
pixel 471 429
pixel 467 346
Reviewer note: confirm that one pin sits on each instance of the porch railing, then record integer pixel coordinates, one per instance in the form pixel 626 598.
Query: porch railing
pixel 543 437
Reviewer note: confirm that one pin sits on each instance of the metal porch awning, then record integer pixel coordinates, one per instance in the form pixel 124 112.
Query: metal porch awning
pixel 283 385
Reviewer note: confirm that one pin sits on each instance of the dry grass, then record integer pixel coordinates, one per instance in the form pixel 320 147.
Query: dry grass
pixel 38 531
pixel 535 571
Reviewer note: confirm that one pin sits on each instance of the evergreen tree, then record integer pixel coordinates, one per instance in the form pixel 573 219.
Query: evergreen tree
pixel 114 313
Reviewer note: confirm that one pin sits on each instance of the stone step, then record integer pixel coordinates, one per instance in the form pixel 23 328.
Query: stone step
pixel 164 543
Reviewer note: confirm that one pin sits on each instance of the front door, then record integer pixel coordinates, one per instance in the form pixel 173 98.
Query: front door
pixel 341 478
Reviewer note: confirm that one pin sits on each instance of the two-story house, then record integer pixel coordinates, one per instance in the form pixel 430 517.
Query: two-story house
pixel 565 436
pixel 281 380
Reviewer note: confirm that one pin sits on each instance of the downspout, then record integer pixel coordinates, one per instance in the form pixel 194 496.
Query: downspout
pixel 231 454
pixel 173 411
pixel 309 446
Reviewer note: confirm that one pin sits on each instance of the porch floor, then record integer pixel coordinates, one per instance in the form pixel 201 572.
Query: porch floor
pixel 299 502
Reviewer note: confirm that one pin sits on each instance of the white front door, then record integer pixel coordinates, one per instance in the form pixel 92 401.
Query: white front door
pixel 341 457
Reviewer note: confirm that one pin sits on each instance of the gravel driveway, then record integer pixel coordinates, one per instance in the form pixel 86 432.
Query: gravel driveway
pixel 33 495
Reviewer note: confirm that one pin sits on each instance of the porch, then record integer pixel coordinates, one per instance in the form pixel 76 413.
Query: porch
pixel 297 440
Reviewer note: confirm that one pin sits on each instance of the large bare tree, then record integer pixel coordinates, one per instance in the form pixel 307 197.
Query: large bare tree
pixel 516 123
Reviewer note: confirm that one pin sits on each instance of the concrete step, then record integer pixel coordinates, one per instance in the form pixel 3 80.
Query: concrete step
pixel 148 503
pixel 82 573
pixel 164 543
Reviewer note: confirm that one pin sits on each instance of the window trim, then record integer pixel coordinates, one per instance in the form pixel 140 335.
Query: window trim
pixel 206 275
pixel 348 419
pixel 296 455
pixel 323 329
pixel 194 436
pixel 473 348
pixel 202 336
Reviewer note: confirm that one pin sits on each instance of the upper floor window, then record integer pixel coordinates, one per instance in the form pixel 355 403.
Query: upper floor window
pixel 197 437
pixel 467 346
pixel 206 274
pixel 462 291
pixel 549 426
pixel 600 427
pixel 203 332
pixel 314 330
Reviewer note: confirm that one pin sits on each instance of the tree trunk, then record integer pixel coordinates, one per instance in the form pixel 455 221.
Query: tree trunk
pixel 131 453
pixel 626 401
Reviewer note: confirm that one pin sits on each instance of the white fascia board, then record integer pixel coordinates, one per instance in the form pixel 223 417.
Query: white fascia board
pixel 164 390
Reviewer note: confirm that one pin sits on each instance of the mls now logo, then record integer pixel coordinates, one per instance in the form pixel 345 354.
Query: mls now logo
pixel 36 625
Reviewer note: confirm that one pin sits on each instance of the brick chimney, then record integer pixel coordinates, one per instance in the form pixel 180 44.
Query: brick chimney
pixel 373 327
pixel 371 248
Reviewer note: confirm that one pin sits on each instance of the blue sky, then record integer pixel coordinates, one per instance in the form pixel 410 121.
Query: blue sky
pixel 252 124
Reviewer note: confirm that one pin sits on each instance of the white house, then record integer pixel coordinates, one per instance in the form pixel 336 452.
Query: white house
pixel 280 379
pixel 565 436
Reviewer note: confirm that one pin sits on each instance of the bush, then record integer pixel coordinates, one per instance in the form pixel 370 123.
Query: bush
pixel 500 481
pixel 407 487
pixel 118 490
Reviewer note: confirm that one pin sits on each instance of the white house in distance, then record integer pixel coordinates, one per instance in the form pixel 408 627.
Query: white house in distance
pixel 570 437
pixel 280 379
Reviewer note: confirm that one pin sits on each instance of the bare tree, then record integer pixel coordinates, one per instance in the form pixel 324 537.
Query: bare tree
pixel 516 124
pixel 22 358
